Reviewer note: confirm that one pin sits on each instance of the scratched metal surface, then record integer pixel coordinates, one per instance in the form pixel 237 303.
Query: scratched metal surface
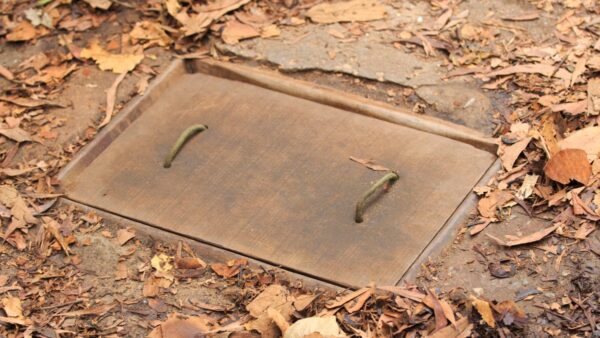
pixel 271 179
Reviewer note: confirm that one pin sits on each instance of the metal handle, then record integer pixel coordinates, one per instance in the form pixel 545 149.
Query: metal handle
pixel 390 177
pixel 183 138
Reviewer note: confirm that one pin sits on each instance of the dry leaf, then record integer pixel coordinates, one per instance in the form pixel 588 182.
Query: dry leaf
pixel 325 326
pixel 434 303
pixel 345 299
pixel 101 4
pixel 235 31
pixel 531 238
pixel 485 310
pixel 207 14
pixel 587 139
pixel 24 31
pixel 124 235
pixel 151 31
pixel 567 165
pixel 573 108
pixel 16 134
pixel 510 313
pixel 162 263
pixel 94 310
pixel 121 271
pixel 487 206
pixel 7 74
pixel 230 269
pixel 179 326
pixel 111 98
pixel 118 63
pixel 593 93
pixel 12 307
pixel 269 31
pixel 584 230
pixel 538 68
pixel 509 154
pixel 358 303
pixel 303 301
pixel 189 263
pixel 526 188
pixel 347 11
pixel 369 164
pixel 522 17
pixel 461 329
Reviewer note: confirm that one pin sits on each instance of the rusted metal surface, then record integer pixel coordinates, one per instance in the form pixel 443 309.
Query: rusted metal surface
pixel 271 178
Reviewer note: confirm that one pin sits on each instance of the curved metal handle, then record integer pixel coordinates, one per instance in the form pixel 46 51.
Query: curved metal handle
pixel 183 138
pixel 390 177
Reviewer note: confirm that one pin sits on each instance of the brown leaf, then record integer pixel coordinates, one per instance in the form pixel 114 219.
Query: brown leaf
pixel 531 238
pixel 124 235
pixel 12 307
pixel 29 103
pixel 303 301
pixel 118 63
pixel 434 303
pixel 358 303
pixel 572 108
pixel 461 329
pixel 121 271
pixel 207 14
pixel 509 154
pixel 235 31
pixel 567 165
pixel 593 93
pixel 179 326
pixel 403 292
pixel 101 4
pixel 487 206
pixel 52 227
pixel 485 310
pixel 151 31
pixel 345 299
pixel 189 263
pixel 230 269
pixel 369 164
pixel 94 311
pixel 539 68
pixel 522 17
pixel 16 134
pixel 271 295
pixel 587 139
pixel 51 74
pixel 347 11
pixel 7 74
pixel 510 313
pixel 24 31
pixel 111 98
pixel 10 198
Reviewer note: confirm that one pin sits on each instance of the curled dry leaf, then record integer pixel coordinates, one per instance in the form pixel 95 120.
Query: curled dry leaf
pixel 509 154
pixel 531 238
pixel 572 108
pixel 124 235
pixel 567 165
pixel 151 31
pixel 12 307
pixel 7 74
pixel 510 313
pixel 347 11
pixel 230 269
pixel 189 263
pixel 179 326
pixel 484 309
pixel 16 134
pixel 487 206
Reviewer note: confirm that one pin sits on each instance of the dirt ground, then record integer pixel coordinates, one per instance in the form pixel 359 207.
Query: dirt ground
pixel 523 72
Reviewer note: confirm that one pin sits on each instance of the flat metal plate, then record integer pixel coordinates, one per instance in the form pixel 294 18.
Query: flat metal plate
pixel 272 179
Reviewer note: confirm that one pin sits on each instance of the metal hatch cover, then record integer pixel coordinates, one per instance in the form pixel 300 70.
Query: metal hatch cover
pixel 271 177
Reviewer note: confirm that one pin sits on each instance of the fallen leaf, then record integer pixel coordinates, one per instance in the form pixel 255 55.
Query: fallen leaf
pixel 53 228
pixel 539 68
pixel 12 307
pixel 94 310
pixel 369 164
pixel 270 31
pixel 593 96
pixel 121 272
pixel 434 303
pixel 531 238
pixel 510 313
pixel 347 11
pixel 567 165
pixel 189 263
pixel 303 301
pixel 151 31
pixel 207 14
pixel 30 103
pixel 485 310
pixel 587 139
pixel 7 74
pixel 345 299
pixel 124 235
pixel 118 63
pixel 502 269
pixel 10 198
pixel 461 329
pixel 162 263
pixel 526 188
pixel 51 74
pixel 270 296
pixel 585 230
pixel 572 108
pixel 111 98
pixel 325 326
pixel 179 326
pixel 579 70
pixel 235 31
pixel 273 298
pixel 278 319
pixel 357 303
pixel 488 205
pixel 101 4
pixel 232 268
pixel 522 17
pixel 509 154
pixel 24 31
pixel 16 134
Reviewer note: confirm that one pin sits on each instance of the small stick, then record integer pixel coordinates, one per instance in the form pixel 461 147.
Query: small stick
pixel 183 138
pixel 360 205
